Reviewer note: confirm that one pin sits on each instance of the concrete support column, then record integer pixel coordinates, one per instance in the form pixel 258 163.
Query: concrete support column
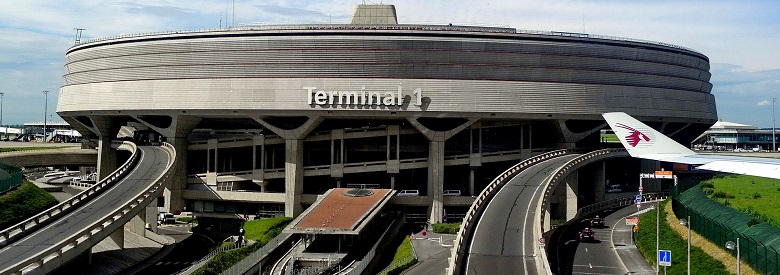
pixel 107 158
pixel 118 237
pixel 293 177
pixel 600 181
pixel 178 179
pixel 258 167
pixel 572 182
pixel 471 181
pixel 392 181
pixel 211 154
pixel 436 180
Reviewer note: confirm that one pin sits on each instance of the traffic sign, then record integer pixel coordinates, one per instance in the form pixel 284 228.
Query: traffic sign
pixel 632 220
pixel 664 257
pixel 663 174
pixel 541 241
pixel 638 199
pixel 641 188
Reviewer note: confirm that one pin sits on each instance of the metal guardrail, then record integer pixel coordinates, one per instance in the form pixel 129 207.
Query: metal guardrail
pixel 405 27
pixel 250 261
pixel 190 269
pixel 19 230
pixel 72 246
pixel 479 204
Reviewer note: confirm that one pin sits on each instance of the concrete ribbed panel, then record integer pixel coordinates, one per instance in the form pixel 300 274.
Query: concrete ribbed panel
pixel 286 96
pixel 476 74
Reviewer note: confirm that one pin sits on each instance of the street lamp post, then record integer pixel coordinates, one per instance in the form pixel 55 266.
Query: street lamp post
pixel 5 130
pixel 45 113
pixel 687 223
pixel 774 146
pixel 731 246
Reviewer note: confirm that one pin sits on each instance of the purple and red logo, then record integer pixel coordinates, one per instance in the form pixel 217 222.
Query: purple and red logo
pixel 635 137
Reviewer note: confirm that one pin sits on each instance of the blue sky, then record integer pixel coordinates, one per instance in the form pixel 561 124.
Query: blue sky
pixel 741 38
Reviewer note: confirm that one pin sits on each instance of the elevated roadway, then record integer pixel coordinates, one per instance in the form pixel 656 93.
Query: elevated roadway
pixel 503 241
pixel 51 157
pixel 69 235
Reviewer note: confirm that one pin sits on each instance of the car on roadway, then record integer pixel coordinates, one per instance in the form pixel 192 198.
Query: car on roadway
pixel 166 218
pixel 451 193
pixel 587 234
pixel 408 193
pixel 597 222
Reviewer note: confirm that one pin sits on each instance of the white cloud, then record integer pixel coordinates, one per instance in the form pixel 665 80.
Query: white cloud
pixel 763 103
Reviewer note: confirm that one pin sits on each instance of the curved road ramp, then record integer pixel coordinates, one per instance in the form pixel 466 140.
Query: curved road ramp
pixel 45 242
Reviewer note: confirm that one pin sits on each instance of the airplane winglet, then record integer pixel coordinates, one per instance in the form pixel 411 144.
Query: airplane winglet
pixel 642 141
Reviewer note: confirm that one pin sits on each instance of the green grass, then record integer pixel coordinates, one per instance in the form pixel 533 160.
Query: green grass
pixel 261 231
pixel 446 228
pixel 670 240
pixel 404 257
pixel 609 138
pixel 22 203
pixel 187 220
pixel 17 149
pixel 756 196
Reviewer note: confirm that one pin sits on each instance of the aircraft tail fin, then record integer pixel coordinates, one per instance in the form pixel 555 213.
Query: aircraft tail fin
pixel 642 141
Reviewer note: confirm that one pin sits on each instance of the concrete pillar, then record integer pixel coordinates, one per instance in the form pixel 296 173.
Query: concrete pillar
pixel 392 181
pixel 117 237
pixel 293 177
pixel 258 167
pixel 571 181
pixel 471 181
pixel 600 181
pixel 107 158
pixel 338 182
pixel 178 180
pixel 211 154
pixel 436 180
pixel 138 223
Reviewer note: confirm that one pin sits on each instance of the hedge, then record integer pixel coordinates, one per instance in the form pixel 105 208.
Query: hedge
pixel 23 203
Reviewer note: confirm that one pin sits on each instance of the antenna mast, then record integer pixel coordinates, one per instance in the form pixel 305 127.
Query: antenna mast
pixel 78 35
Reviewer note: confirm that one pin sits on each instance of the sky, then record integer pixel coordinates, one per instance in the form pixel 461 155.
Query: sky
pixel 741 38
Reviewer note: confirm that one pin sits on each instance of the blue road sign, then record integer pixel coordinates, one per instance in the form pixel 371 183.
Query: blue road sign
pixel 664 258
pixel 638 198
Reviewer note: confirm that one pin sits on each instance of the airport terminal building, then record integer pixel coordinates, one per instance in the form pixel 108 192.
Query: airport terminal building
pixel 265 118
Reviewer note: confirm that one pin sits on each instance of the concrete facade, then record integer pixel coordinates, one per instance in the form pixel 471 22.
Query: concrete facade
pixel 298 109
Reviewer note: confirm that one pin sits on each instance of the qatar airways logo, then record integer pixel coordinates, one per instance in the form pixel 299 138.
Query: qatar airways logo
pixel 635 135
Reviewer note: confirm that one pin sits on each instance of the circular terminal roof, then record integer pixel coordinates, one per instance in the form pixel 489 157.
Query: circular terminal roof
pixel 357 192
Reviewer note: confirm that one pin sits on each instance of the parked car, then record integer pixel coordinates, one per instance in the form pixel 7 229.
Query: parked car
pixel 587 234
pixel 166 218
pixel 597 222
pixel 614 188
pixel 408 193
pixel 452 192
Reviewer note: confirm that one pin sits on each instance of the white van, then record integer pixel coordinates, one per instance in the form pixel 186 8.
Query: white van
pixel 614 188
pixel 408 193
pixel 451 192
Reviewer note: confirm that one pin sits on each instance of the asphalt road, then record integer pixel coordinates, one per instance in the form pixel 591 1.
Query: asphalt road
pixel 503 240
pixel 613 251
pixel 432 255
pixel 151 166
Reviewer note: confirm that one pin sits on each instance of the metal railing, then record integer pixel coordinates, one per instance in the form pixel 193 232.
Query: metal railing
pixel 75 245
pixel 13 179
pixel 572 165
pixel 256 257
pixel 404 27
pixel 208 257
pixel 460 245
pixel 17 231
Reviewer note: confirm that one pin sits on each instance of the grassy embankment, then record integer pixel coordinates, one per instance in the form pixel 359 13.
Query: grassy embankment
pixel 22 203
pixel 755 196
pixel 404 257
pixel 261 231
pixel 670 239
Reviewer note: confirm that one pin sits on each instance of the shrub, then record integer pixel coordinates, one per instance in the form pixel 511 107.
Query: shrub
pixel 753 222
pixel 709 191
pixel 756 195
pixel 722 195
pixel 22 203
pixel 446 228
pixel 707 184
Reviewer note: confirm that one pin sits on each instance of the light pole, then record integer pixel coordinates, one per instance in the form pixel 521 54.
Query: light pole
pixel 5 131
pixel 774 146
pixel 731 246
pixel 687 223
pixel 45 113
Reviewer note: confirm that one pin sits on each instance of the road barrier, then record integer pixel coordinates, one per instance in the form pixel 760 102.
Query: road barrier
pixel 67 249
pixel 16 232
pixel 466 227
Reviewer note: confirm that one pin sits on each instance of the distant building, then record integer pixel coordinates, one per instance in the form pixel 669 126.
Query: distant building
pixel 58 131
pixel 729 136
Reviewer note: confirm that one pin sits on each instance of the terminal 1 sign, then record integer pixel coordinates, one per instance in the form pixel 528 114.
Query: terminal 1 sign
pixel 362 97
